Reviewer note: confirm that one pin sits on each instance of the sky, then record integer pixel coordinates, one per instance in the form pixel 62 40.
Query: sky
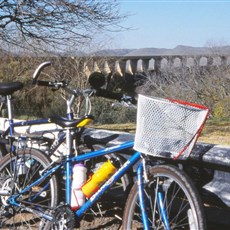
pixel 168 23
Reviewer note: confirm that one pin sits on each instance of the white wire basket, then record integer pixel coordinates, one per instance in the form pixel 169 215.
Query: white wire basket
pixel 168 128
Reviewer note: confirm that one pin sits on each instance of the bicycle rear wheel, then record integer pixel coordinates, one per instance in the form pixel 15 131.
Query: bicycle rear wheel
pixel 17 172
pixel 182 206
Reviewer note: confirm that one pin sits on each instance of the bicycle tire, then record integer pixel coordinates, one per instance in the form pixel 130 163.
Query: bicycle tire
pixel 182 202
pixel 42 197
pixel 3 151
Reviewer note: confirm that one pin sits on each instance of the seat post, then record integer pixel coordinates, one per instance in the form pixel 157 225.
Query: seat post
pixel 9 110
pixel 9 107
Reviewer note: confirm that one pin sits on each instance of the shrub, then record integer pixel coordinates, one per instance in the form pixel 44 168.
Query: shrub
pixel 221 109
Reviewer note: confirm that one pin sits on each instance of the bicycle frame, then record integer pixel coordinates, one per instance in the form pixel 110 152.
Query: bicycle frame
pixel 67 163
pixel 12 124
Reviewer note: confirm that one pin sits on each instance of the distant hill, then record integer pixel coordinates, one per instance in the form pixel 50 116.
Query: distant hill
pixel 113 52
pixel 178 50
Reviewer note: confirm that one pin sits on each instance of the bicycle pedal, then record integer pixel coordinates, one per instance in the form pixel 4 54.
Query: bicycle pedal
pixel 5 214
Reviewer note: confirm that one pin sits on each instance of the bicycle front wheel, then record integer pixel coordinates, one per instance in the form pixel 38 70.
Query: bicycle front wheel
pixel 171 199
pixel 16 173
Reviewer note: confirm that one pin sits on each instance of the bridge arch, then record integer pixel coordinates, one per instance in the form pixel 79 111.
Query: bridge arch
pixel 164 63
pixel 203 61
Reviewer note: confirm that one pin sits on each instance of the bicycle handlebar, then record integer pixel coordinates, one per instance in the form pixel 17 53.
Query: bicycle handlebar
pixel 108 94
pixel 115 96
pixel 52 84
pixel 38 71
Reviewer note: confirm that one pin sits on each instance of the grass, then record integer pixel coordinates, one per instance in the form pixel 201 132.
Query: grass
pixel 214 132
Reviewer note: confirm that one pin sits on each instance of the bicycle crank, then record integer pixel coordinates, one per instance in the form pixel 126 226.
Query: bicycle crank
pixel 63 218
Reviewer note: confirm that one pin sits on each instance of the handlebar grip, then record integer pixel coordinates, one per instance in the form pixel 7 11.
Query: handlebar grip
pixel 44 83
pixel 38 71
pixel 107 94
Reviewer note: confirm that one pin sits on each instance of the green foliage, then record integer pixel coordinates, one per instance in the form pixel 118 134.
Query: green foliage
pixel 221 109
pixel 105 113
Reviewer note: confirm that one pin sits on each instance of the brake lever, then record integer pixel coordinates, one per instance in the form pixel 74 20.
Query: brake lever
pixel 128 100
pixel 124 104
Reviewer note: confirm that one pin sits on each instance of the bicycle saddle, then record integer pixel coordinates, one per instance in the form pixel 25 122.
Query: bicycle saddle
pixel 63 122
pixel 90 141
pixel 10 88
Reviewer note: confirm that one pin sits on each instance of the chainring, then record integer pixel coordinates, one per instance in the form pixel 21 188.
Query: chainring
pixel 63 218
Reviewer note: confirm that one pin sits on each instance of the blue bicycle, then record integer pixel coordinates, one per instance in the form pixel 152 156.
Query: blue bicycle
pixel 163 197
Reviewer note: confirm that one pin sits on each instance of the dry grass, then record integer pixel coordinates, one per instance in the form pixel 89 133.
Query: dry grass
pixel 128 127
pixel 214 132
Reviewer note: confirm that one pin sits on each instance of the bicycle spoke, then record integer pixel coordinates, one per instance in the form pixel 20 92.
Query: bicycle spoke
pixel 31 204
pixel 176 207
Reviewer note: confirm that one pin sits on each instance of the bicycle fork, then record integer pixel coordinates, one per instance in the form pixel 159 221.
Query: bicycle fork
pixel 142 179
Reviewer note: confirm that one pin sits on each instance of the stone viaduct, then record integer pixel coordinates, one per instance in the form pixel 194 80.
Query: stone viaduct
pixel 133 64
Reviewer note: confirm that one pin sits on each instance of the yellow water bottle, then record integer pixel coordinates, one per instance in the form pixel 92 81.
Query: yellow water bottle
pixel 99 177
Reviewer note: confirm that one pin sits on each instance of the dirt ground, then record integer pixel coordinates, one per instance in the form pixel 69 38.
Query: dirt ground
pixel 104 217
pixel 111 218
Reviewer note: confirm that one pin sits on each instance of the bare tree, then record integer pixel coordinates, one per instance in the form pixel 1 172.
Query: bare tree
pixel 59 23
pixel 208 86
